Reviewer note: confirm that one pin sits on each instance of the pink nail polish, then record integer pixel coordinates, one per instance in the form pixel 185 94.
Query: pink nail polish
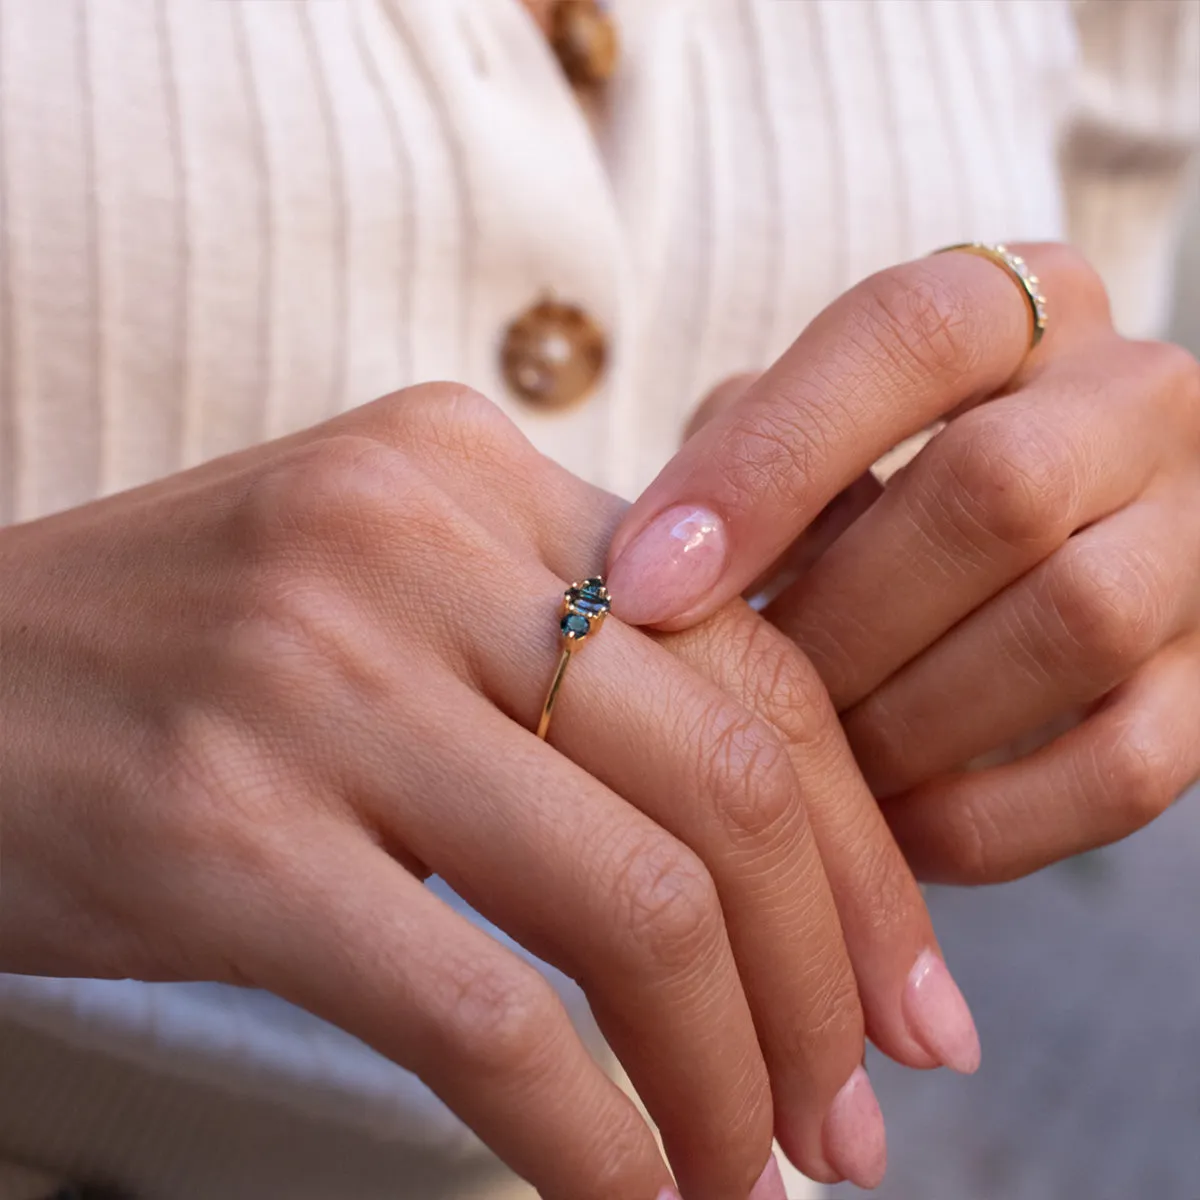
pixel 854 1139
pixel 770 1184
pixel 938 1016
pixel 669 566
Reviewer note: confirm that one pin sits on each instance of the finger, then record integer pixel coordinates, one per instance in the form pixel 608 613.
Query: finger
pixel 675 746
pixel 882 914
pixel 591 884
pixel 355 939
pixel 1070 631
pixel 997 492
pixel 703 769
pixel 896 352
pixel 1095 784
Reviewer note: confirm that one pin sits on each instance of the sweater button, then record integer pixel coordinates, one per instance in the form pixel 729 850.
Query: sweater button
pixel 584 37
pixel 553 354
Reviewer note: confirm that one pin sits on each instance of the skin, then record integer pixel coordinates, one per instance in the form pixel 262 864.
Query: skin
pixel 247 709
pixel 1036 568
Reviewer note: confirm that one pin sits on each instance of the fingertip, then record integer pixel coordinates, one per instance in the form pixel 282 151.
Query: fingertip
pixel 939 1017
pixel 770 1183
pixel 854 1137
pixel 669 566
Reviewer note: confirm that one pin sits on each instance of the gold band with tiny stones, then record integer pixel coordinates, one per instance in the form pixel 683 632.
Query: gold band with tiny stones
pixel 585 605
pixel 1018 270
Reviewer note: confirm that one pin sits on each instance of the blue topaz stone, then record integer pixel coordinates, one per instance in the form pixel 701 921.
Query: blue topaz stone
pixel 585 604
pixel 589 597
pixel 575 625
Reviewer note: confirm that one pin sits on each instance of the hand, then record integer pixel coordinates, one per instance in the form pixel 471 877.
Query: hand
pixel 1041 554
pixel 245 710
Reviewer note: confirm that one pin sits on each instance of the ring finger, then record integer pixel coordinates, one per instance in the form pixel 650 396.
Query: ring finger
pixel 589 883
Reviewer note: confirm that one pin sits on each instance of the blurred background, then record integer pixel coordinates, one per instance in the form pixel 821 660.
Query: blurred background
pixel 1085 983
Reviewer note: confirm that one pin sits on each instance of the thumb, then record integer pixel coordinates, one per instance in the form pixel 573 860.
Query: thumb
pixel 828 525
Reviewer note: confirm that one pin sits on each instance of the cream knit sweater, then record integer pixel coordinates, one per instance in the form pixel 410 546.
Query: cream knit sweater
pixel 221 220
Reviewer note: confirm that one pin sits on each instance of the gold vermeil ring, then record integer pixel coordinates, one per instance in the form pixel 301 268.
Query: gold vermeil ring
pixel 1018 270
pixel 585 605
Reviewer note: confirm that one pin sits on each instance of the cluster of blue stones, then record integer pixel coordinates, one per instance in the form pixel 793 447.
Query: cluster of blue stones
pixel 585 602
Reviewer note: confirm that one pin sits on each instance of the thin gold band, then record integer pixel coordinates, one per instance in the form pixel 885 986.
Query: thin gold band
pixel 585 605
pixel 548 708
pixel 1017 270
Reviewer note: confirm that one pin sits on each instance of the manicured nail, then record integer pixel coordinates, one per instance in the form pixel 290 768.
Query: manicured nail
pixel 938 1016
pixel 770 1184
pixel 669 1194
pixel 669 566
pixel 854 1139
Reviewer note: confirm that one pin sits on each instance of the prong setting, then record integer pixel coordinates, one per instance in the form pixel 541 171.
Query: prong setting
pixel 585 605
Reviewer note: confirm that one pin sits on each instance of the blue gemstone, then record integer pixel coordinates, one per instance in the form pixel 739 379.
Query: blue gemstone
pixel 585 605
pixel 575 626
pixel 589 597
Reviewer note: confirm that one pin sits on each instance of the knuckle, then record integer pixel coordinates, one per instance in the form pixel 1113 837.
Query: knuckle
pixel 832 1016
pixel 919 322
pixel 1109 600
pixel 1140 771
pixel 667 904
pixel 750 781
pixel 451 418
pixel 290 622
pixel 345 500
pixel 786 687
pixel 445 402
pixel 503 1019
pixel 1007 478
pixel 968 836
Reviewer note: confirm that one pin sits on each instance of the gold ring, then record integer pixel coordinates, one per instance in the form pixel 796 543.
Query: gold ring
pixel 1018 270
pixel 584 607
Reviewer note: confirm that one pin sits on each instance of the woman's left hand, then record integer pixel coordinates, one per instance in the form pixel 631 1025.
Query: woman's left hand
pixel 1040 556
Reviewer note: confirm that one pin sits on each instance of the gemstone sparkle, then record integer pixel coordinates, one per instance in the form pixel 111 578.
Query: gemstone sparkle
pixel 576 626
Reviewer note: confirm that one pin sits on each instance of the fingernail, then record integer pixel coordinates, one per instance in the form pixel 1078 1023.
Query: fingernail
pixel 669 566
pixel 938 1016
pixel 770 1184
pixel 669 1194
pixel 854 1139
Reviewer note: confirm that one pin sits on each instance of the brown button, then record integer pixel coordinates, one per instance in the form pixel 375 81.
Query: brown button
pixel 553 355
pixel 584 37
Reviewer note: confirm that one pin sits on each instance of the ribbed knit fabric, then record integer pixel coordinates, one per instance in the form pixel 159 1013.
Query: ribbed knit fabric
pixel 221 220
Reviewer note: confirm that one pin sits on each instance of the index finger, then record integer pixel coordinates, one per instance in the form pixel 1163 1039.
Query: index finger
pixel 899 350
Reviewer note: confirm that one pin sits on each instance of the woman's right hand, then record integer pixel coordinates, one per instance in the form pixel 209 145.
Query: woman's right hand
pixel 245 710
